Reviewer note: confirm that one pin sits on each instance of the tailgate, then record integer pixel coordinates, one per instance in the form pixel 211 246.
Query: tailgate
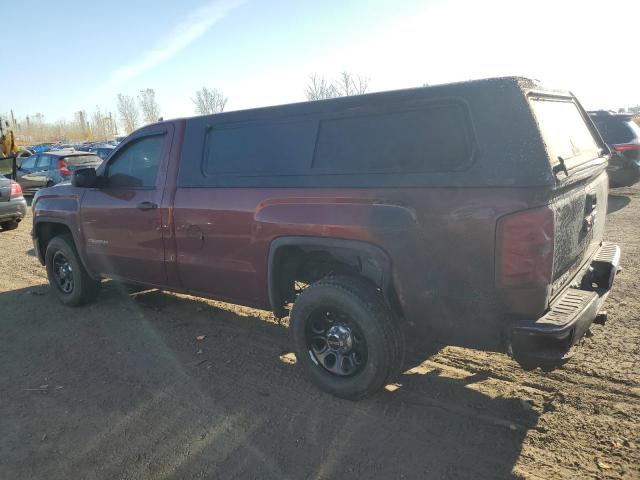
pixel 576 157
pixel 579 215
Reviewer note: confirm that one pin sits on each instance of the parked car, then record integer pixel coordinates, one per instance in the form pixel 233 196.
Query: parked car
pixel 61 146
pixel 13 206
pixel 622 135
pixel 52 167
pixel 438 212
pixel 103 151
pixel 83 147
pixel 40 147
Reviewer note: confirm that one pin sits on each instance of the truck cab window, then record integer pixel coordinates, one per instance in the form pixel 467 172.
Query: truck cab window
pixel 136 166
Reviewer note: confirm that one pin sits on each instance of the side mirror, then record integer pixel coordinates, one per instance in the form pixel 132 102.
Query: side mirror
pixel 84 177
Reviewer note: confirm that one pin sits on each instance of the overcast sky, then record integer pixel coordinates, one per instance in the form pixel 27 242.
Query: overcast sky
pixel 71 55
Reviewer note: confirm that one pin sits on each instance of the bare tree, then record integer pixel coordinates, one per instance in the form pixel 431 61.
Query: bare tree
pixel 34 129
pixel 148 105
pixel 101 125
pixel 81 122
pixel 128 112
pixel 347 84
pixel 209 100
pixel 319 89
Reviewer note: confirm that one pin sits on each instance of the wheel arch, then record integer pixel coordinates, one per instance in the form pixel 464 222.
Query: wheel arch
pixel 45 229
pixel 287 253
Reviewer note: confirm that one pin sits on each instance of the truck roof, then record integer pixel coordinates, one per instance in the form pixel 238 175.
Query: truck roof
pixel 521 84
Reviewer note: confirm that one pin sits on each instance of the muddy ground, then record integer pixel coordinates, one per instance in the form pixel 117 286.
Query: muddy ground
pixel 123 389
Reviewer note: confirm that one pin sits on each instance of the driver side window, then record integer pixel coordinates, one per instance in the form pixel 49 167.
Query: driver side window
pixel 136 166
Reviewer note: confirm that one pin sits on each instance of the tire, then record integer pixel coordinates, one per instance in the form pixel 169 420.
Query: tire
pixel 375 335
pixel 10 225
pixel 49 184
pixel 84 289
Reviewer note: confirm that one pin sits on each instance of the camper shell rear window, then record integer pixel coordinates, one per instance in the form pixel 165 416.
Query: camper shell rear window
pixel 564 130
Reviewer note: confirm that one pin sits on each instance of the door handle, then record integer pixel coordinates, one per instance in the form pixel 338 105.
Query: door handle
pixel 147 206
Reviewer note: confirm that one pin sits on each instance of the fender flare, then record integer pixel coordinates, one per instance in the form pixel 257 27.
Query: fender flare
pixel 74 234
pixel 377 267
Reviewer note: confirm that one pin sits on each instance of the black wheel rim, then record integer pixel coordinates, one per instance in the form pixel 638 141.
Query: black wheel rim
pixel 63 273
pixel 335 342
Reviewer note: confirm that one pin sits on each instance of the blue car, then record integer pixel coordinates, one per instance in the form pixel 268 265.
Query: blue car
pixel 40 148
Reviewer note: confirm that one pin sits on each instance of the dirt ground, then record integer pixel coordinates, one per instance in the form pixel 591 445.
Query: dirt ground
pixel 122 389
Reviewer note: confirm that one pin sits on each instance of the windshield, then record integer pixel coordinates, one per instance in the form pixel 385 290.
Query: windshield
pixel 564 131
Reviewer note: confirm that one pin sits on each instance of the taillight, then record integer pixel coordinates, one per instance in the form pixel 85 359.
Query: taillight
pixel 525 242
pixel 16 189
pixel 627 147
pixel 64 168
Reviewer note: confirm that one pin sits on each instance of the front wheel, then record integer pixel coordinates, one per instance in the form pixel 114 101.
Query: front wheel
pixel 69 280
pixel 346 337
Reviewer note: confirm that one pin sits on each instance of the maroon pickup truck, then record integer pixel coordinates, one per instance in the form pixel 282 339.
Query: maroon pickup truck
pixel 471 214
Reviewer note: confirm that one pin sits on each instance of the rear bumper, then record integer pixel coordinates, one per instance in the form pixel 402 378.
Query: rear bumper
pixel 547 341
pixel 14 209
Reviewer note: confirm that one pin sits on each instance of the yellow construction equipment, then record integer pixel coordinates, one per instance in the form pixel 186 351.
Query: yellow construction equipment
pixel 9 151
pixel 8 147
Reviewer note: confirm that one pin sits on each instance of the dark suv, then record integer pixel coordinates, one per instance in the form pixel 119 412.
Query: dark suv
pixel 471 213
pixel 622 135
pixel 52 167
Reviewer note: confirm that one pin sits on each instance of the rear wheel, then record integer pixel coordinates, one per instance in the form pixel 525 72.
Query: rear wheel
pixel 68 278
pixel 10 225
pixel 50 184
pixel 346 338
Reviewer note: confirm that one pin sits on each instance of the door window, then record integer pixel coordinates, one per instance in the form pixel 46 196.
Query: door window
pixel 43 162
pixel 136 166
pixel 29 162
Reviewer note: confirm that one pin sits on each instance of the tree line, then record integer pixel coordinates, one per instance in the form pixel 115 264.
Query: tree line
pixel 132 112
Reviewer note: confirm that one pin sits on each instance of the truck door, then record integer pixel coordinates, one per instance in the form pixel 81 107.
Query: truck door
pixel 122 220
